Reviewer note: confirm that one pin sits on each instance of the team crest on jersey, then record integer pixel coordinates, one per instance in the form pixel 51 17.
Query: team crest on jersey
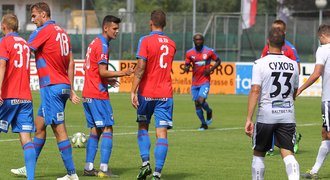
pixel 193 57
pixel 204 56
pixel 200 63
pixel 104 56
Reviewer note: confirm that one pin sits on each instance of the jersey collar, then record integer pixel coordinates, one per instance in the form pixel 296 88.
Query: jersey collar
pixel 12 34
pixel 49 22
pixel 157 32
pixel 103 39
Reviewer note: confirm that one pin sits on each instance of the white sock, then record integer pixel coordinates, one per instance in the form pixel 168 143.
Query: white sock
pixel 258 168
pixel 322 154
pixel 291 167
pixel 156 174
pixel 89 166
pixel 104 167
pixel 145 163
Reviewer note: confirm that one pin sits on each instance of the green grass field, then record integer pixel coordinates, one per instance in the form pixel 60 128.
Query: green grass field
pixel 222 152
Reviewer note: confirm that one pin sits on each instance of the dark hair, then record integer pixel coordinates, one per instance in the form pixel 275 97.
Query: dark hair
pixel 11 21
pixel 276 38
pixel 41 6
pixel 198 35
pixel 158 17
pixel 281 23
pixel 324 29
pixel 109 19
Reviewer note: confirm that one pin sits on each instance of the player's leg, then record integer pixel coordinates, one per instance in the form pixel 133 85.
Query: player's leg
pixel 198 106
pixel 91 150
pixel 54 115
pixel 94 136
pixel 163 121
pixel 204 94
pixel 262 140
pixel 284 135
pixel 324 148
pixel 29 154
pixel 106 148
pixel 144 113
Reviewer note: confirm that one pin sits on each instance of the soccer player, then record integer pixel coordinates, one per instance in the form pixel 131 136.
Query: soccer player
pixel 15 94
pixel 200 58
pixel 55 65
pixel 322 68
pixel 290 51
pixel 274 84
pixel 97 107
pixel 151 92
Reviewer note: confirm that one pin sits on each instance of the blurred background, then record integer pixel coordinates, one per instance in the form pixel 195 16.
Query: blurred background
pixel 220 22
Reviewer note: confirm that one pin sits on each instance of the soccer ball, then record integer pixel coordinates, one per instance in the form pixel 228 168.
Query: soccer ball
pixel 79 140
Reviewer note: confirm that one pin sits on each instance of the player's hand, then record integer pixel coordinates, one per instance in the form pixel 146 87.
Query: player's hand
pixel 249 126
pixel 113 82
pixel 207 72
pixel 74 98
pixel 134 100
pixel 130 70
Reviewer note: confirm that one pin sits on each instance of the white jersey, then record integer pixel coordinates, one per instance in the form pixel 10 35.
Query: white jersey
pixel 278 77
pixel 322 57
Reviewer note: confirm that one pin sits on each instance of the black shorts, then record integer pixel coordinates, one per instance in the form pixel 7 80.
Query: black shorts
pixel 284 133
pixel 325 108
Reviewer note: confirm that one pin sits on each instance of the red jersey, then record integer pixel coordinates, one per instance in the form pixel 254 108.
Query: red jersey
pixel 288 50
pixel 200 61
pixel 97 53
pixel 52 48
pixel 158 51
pixel 16 52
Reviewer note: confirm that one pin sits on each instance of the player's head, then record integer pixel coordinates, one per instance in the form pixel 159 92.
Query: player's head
pixel 279 24
pixel 9 23
pixel 110 26
pixel 324 34
pixel 276 38
pixel 157 19
pixel 198 41
pixel 40 13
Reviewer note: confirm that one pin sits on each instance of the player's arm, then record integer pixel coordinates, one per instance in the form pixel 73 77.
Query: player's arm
pixel 187 64
pixel 105 73
pixel 217 63
pixel 252 103
pixel 318 70
pixel 139 71
pixel 2 75
pixel 73 96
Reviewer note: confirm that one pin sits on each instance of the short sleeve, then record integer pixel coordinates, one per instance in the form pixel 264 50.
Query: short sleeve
pixel 38 38
pixel 320 56
pixel 142 52
pixel 256 74
pixel 4 54
pixel 214 56
pixel 187 59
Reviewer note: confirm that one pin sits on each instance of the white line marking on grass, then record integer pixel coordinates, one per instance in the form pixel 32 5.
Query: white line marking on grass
pixel 173 131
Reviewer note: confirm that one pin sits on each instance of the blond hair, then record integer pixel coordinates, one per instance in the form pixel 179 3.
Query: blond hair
pixel 11 21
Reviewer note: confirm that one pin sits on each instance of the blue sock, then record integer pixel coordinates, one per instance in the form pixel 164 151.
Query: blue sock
pixel 200 115
pixel 38 145
pixel 144 145
pixel 30 159
pixel 160 153
pixel 91 148
pixel 106 147
pixel 66 153
pixel 206 107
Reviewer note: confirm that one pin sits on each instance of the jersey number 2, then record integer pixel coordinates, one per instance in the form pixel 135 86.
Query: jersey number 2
pixel 278 85
pixel 161 59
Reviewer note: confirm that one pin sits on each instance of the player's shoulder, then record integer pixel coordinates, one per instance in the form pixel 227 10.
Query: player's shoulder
pixel 191 50
pixel 289 45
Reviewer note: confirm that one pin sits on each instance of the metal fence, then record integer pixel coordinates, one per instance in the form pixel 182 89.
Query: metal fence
pixel 222 32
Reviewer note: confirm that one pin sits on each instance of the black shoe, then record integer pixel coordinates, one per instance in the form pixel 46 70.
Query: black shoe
pixel 92 172
pixel 203 127
pixel 144 172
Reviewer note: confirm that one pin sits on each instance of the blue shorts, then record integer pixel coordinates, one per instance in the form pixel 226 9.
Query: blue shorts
pixel 17 113
pixel 162 108
pixel 200 91
pixel 98 112
pixel 53 100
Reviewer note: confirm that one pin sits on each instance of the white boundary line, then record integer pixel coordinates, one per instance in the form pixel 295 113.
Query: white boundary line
pixel 174 130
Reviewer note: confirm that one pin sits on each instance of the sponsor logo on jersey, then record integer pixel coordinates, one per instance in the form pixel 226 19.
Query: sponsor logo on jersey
pixel 281 104
pixel 200 63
